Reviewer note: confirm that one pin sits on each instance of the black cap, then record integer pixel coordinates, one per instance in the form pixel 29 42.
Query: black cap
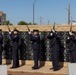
pixel 73 32
pixel 15 30
pixel 0 29
pixel 35 30
pixel 51 31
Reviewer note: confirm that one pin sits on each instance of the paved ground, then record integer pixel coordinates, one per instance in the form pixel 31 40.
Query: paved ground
pixel 26 70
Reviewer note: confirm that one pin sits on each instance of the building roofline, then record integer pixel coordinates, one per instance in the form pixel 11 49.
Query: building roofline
pixel 1 12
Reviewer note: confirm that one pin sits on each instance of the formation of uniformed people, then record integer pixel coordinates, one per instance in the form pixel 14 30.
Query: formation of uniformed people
pixel 35 38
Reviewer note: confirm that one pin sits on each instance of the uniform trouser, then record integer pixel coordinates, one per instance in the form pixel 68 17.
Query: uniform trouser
pixel 55 58
pixel 0 57
pixel 73 56
pixel 0 54
pixel 15 55
pixel 36 57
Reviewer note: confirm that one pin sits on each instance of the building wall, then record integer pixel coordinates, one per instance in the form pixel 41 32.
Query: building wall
pixel 46 28
pixel 2 18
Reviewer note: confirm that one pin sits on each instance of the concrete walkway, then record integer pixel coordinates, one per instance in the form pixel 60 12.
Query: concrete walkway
pixel 45 70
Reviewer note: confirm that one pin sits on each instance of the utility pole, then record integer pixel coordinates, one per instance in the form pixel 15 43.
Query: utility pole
pixel 40 20
pixel 34 12
pixel 48 22
pixel 69 14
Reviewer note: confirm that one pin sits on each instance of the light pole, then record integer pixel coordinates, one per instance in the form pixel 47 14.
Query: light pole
pixel 34 12
pixel 48 22
pixel 68 14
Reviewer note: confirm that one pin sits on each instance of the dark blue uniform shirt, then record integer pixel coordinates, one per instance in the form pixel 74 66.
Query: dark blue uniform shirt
pixel 71 41
pixel 1 38
pixel 35 41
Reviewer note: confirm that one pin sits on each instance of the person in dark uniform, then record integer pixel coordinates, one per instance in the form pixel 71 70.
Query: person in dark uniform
pixel 1 48
pixel 35 38
pixel 55 49
pixel 71 41
pixel 15 46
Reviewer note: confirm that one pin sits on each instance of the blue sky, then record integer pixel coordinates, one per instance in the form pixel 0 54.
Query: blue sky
pixel 53 10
